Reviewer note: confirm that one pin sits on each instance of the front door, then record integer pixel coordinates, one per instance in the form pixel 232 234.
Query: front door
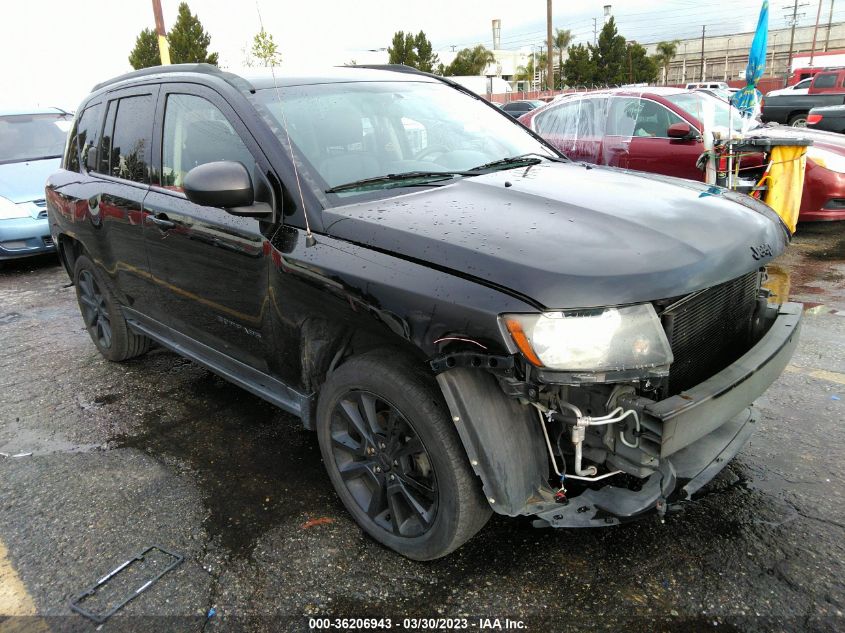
pixel 638 138
pixel 211 267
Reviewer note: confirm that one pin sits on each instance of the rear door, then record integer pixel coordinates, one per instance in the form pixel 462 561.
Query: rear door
pixel 638 138
pixel 211 267
pixel 575 127
pixel 115 204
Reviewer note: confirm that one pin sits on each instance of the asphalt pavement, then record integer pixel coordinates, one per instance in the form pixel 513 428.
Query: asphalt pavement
pixel 101 460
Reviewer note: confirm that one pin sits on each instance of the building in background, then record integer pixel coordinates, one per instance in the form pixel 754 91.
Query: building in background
pixel 725 56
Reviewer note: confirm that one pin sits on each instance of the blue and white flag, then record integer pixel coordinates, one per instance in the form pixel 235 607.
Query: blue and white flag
pixel 746 100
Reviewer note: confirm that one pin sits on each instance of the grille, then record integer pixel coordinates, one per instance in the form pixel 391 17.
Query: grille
pixel 709 329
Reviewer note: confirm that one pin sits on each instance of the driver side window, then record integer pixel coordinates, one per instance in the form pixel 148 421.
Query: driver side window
pixel 636 117
pixel 195 133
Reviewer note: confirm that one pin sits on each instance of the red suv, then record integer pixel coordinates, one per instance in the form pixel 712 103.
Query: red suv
pixel 659 130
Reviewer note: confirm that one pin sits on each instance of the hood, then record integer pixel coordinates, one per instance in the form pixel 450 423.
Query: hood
pixel 24 181
pixel 567 235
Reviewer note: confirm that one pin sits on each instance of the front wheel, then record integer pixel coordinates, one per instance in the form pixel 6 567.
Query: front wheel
pixel 395 458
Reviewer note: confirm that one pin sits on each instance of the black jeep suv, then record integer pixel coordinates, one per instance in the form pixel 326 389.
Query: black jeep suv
pixel 470 321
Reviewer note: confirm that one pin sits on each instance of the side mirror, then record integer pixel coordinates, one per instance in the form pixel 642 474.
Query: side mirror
pixel 681 131
pixel 222 183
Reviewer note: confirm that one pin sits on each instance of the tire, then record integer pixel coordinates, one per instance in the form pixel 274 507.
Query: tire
pixel 798 120
pixel 102 315
pixel 407 450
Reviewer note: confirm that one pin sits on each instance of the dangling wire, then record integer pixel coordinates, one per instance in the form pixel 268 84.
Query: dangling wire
pixel 309 237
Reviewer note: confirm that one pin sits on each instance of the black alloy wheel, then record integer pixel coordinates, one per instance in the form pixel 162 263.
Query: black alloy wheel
pixel 383 464
pixel 394 456
pixel 102 314
pixel 95 312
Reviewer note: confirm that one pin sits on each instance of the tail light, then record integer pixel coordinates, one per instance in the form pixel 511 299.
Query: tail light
pixel 812 119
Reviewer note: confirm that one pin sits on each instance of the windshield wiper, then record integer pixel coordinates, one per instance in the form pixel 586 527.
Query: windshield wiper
pixel 531 158
pixel 425 177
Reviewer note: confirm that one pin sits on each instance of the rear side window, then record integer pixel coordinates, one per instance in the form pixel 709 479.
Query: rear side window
pixel 127 135
pixel 825 80
pixel 195 133
pixel 84 139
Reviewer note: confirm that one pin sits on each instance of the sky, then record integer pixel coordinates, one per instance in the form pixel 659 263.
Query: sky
pixel 54 52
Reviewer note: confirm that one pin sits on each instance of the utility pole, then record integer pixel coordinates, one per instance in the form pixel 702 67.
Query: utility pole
pixel 793 20
pixel 702 51
pixel 727 50
pixel 596 31
pixel 163 48
pixel 550 69
pixel 815 31
pixel 829 22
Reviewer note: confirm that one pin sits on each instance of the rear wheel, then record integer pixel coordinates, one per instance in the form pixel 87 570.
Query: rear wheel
pixel 102 315
pixel 395 458
pixel 799 120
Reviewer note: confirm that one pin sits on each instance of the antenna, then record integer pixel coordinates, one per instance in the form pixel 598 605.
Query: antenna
pixel 309 236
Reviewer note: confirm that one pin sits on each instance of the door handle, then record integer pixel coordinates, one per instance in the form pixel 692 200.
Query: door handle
pixel 161 221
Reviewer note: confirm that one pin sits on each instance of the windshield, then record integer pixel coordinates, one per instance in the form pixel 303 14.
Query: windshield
pixel 698 103
pixel 32 136
pixel 346 132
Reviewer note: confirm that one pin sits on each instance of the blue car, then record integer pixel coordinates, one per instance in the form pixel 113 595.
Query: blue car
pixel 31 145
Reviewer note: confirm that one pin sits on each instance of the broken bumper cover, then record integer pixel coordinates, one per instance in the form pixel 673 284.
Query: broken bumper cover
pixel 702 430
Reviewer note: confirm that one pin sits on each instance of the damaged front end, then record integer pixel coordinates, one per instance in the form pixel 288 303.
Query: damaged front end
pixel 600 416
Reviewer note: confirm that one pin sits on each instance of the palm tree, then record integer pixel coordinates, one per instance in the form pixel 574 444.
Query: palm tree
pixel 665 53
pixel 480 58
pixel 562 40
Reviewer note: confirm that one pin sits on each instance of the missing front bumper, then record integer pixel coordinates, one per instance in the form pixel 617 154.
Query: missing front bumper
pixel 678 478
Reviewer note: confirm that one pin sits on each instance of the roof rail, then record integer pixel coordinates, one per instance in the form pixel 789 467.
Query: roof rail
pixel 160 70
pixel 397 68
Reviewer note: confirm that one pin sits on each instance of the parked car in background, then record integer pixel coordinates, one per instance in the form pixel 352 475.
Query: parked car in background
pixel 800 88
pixel 518 108
pixel 831 80
pixel 31 145
pixel 826 88
pixel 712 85
pixel 659 130
pixel 434 290
pixel 829 118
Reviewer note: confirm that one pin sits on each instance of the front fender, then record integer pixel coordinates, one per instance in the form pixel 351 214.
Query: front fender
pixel 502 439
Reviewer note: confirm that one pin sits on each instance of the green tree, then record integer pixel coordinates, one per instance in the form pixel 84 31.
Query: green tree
pixel 579 67
pixel 401 50
pixel 427 59
pixel 470 61
pixel 526 73
pixel 562 40
pixel 641 67
pixel 188 40
pixel 265 50
pixel 145 53
pixel 666 52
pixel 609 56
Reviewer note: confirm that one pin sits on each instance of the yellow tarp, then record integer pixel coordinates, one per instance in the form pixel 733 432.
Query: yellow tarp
pixel 786 182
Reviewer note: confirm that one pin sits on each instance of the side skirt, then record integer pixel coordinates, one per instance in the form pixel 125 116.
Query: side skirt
pixel 256 382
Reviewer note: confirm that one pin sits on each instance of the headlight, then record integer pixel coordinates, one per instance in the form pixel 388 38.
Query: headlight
pixel 9 210
pixel 604 339
pixel 827 159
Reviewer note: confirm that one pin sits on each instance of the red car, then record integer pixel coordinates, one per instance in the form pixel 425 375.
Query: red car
pixel 659 130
